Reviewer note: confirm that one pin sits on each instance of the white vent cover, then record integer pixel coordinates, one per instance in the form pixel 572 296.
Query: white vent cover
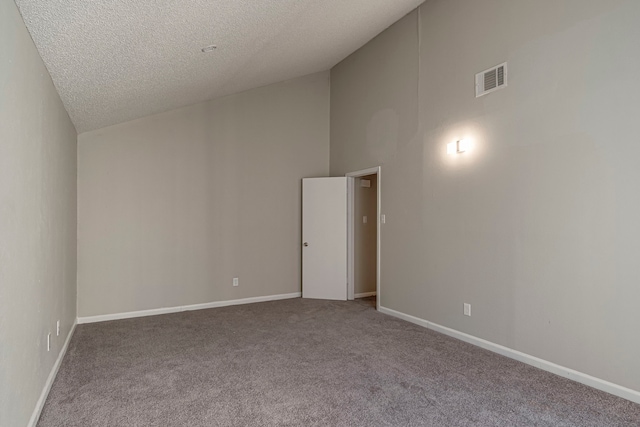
pixel 491 80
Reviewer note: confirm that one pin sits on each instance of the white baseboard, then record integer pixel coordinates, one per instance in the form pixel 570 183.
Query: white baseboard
pixel 615 389
pixel 365 294
pixel 52 376
pixel 166 310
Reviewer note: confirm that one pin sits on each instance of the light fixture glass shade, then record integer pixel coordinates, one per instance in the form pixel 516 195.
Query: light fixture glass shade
pixel 457 146
pixel 452 147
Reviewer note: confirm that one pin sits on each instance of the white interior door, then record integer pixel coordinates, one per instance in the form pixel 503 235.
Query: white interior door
pixel 324 237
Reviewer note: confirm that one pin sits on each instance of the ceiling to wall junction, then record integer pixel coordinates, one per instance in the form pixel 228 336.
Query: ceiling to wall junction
pixel 117 60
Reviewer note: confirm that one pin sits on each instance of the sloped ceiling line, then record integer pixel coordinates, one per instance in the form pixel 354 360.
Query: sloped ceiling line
pixel 116 60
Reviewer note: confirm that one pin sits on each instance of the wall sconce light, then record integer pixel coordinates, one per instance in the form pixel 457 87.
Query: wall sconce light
pixel 457 147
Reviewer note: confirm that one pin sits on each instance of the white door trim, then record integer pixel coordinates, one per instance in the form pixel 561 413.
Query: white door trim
pixel 351 176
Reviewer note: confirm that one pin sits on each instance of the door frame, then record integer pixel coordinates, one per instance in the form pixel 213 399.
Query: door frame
pixel 351 229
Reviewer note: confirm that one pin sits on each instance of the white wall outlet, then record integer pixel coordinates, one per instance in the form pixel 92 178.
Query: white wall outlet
pixel 467 309
pixel 49 342
pixel 364 219
pixel 383 218
pixel 235 281
pixel 58 328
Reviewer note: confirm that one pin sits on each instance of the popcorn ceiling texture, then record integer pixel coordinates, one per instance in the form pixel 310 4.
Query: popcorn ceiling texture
pixel 114 61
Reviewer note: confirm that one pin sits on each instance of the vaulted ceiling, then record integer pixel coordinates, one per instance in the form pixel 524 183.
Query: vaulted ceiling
pixel 117 60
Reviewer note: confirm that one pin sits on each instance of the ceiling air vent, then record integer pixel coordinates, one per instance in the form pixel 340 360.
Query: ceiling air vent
pixel 492 79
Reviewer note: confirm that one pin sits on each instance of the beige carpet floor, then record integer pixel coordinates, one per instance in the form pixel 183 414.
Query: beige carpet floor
pixel 306 363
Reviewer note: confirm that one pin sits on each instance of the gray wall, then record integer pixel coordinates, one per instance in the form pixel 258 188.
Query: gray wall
pixel 365 235
pixel 537 227
pixel 173 206
pixel 37 221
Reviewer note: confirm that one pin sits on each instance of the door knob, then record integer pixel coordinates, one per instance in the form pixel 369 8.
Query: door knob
pixel 305 244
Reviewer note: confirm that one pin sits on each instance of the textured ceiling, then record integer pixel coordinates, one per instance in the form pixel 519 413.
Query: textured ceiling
pixel 117 60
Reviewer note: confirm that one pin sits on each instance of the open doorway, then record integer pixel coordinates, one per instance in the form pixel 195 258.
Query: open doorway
pixel 363 248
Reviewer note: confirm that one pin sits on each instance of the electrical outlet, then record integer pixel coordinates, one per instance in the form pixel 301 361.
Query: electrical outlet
pixel 364 219
pixel 49 342
pixel 383 219
pixel 58 328
pixel 467 309
pixel 235 281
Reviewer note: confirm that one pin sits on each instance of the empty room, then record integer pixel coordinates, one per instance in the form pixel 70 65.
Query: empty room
pixel 319 213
